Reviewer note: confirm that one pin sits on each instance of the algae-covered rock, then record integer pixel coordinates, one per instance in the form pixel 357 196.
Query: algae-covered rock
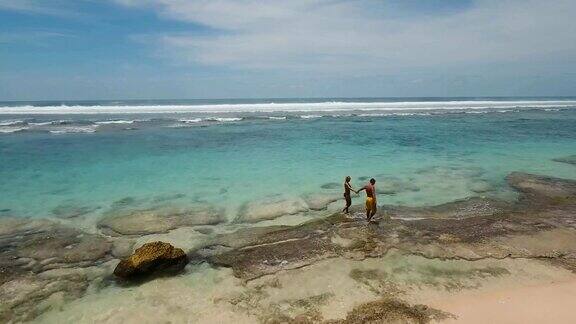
pixel 154 257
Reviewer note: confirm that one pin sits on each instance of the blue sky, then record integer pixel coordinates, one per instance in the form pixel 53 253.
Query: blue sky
pixel 123 49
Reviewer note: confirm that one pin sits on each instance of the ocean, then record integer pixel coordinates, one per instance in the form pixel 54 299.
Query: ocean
pixel 84 184
pixel 230 153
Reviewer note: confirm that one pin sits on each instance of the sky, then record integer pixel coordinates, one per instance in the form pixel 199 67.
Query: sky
pixel 178 49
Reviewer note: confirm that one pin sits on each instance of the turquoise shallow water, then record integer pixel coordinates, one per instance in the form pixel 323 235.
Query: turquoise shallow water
pixel 429 158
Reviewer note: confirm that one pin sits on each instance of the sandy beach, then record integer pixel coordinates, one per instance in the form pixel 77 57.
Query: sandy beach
pixel 553 303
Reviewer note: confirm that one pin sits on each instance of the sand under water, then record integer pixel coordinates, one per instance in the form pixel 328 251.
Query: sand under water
pixel 473 260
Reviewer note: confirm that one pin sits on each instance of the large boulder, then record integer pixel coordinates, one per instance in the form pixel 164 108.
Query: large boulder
pixel 154 257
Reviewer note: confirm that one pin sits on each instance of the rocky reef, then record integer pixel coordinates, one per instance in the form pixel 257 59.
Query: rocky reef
pixel 539 225
pixel 44 263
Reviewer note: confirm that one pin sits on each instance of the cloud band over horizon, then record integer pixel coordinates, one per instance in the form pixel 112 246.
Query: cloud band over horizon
pixel 247 48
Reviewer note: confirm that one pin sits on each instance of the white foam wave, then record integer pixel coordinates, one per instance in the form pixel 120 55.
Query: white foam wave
pixel 191 121
pixel 7 130
pixel 11 122
pixel 277 118
pixel 224 119
pixel 74 129
pixel 108 122
pixel 292 107
pixel 310 116
pixel 40 123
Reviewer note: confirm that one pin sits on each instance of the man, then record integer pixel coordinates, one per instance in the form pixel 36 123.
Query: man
pixel 370 198
pixel 347 192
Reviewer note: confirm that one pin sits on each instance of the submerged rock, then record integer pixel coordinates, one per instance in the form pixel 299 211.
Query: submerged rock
pixel 46 244
pixel 470 229
pixel 567 159
pixel 390 310
pixel 332 185
pixel 40 258
pixel 158 220
pixel 470 207
pixel 154 257
pixel 72 210
pixel 543 189
pixel 480 186
pixel 320 201
pixel 391 186
pixel 256 211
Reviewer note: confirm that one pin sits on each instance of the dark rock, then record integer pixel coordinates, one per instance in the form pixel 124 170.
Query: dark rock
pixel 154 257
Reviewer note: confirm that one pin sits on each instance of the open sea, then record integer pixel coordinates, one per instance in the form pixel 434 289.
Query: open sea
pixel 228 153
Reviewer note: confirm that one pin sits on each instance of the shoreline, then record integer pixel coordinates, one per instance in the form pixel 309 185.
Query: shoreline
pixel 335 269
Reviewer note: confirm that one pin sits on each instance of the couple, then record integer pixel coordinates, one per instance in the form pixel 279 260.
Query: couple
pixel 370 197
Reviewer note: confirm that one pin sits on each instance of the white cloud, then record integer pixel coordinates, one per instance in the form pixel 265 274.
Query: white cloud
pixel 359 37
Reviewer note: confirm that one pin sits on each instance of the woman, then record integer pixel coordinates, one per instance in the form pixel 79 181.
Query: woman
pixel 347 194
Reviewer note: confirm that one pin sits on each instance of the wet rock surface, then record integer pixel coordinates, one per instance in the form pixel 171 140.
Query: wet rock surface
pixel 152 258
pixel 122 221
pixel 470 207
pixel 40 259
pixel 470 229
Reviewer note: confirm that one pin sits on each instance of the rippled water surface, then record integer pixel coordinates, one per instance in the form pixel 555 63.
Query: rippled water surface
pixel 418 155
